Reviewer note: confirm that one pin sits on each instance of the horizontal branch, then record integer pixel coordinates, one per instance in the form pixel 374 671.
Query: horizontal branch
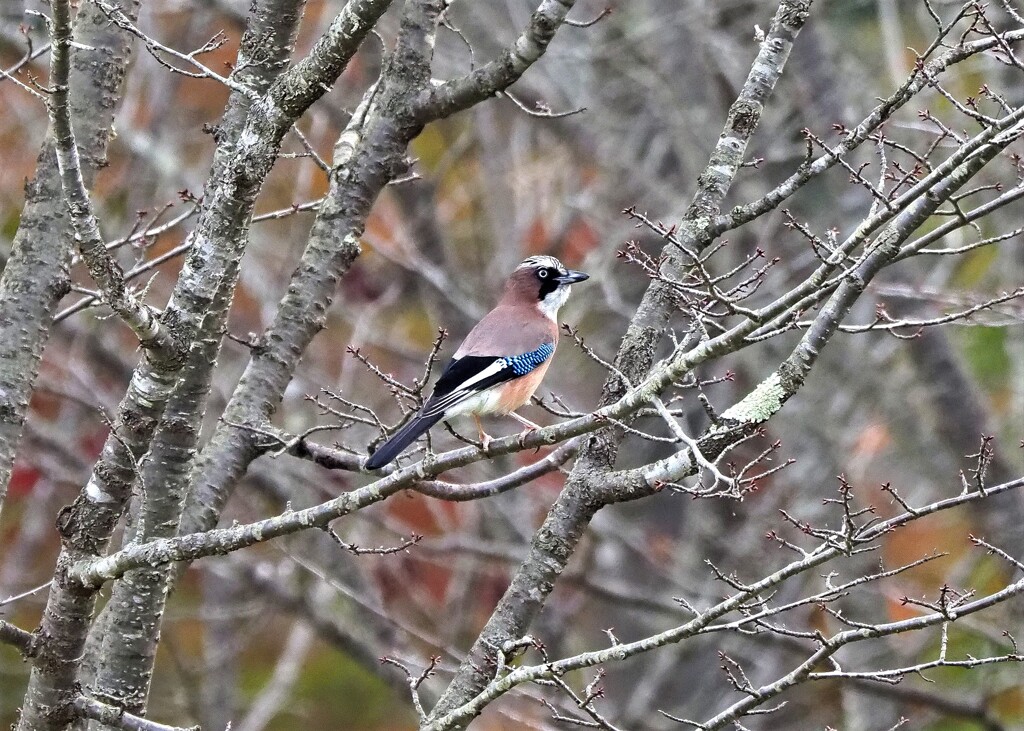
pixel 474 491
pixel 833 644
pixel 941 700
pixel 897 674
pixel 337 459
pixel 115 717
pixel 936 234
pixel 753 410
pixel 224 540
pixel 193 546
pixel 887 324
pixel 756 408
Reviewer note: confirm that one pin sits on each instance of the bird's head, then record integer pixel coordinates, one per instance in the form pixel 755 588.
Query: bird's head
pixel 544 281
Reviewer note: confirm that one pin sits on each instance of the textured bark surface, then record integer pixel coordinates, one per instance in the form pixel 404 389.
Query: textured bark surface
pixel 739 381
pixel 35 277
pixel 87 524
pixel 132 617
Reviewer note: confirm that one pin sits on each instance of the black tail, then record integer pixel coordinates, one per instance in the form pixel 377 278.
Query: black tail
pixel 405 436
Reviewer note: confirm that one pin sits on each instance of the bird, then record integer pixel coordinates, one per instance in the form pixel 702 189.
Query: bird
pixel 502 360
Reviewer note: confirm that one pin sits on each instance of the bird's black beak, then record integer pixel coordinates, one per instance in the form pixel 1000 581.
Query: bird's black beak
pixel 570 277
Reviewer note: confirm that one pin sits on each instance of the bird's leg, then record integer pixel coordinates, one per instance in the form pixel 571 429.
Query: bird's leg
pixel 530 426
pixel 485 438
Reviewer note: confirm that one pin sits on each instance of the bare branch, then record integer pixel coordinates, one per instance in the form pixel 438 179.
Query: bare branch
pixel 104 270
pixel 23 641
pixel 117 718
pixel 497 75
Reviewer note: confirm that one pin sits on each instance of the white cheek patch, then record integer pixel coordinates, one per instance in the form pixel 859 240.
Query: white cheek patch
pixel 550 305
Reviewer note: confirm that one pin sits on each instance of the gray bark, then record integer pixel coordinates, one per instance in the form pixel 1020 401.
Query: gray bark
pixel 35 277
pixel 366 158
pixel 86 525
pixel 131 625
pixel 178 493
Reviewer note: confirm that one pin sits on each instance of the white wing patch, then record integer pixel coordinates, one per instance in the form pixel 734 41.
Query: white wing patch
pixel 495 367
pixel 465 389
pixel 480 402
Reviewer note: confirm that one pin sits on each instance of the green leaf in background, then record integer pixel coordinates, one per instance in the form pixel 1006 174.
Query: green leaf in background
pixel 986 353
pixel 332 687
pixel 973 269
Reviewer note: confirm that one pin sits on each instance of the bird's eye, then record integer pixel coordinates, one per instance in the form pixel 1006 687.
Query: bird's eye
pixel 543 274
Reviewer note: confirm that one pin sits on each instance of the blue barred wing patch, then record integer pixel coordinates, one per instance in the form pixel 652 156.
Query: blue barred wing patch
pixel 471 374
pixel 526 362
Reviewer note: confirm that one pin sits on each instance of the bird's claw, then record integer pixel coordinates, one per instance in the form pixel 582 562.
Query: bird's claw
pixel 526 432
pixel 485 438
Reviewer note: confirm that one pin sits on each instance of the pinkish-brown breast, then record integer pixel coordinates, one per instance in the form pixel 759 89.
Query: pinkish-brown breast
pixel 517 392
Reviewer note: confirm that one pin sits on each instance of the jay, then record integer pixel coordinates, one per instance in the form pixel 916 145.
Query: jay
pixel 503 359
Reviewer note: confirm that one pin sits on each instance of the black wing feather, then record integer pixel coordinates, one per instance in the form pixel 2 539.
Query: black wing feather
pixel 448 390
pixel 447 393
pixel 402 439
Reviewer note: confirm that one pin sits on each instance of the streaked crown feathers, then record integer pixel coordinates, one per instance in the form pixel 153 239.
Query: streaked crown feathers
pixel 541 260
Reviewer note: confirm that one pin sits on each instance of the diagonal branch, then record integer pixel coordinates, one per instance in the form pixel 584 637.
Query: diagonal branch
pixel 218 242
pixel 497 687
pixel 743 214
pixel 131 619
pixel 203 71
pixel 35 276
pixel 495 76
pixel 106 272
pixel 18 638
pixel 770 395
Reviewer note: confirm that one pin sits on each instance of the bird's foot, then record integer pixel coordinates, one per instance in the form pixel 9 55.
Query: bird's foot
pixel 526 433
pixel 529 427
pixel 485 438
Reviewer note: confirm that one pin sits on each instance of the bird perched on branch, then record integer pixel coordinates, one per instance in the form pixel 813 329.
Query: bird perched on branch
pixel 503 359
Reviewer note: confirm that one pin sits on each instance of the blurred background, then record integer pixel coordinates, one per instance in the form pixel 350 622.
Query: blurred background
pixel 287 635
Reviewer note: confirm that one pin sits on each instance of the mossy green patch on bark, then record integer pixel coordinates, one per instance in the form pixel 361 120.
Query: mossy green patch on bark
pixel 760 404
